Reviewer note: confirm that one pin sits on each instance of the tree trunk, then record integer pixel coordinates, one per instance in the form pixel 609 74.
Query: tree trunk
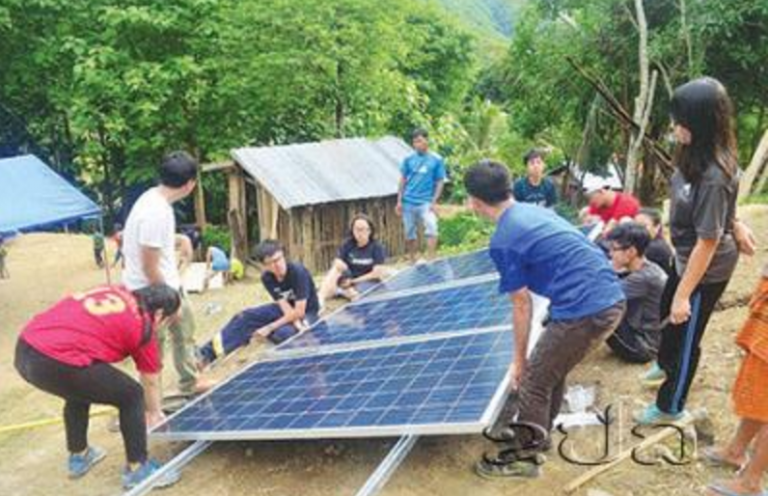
pixel 756 165
pixel 643 102
pixel 685 31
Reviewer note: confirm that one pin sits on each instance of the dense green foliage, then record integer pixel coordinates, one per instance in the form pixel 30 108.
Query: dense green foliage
pixel 111 86
pixel 550 103
pixel 463 232
pixel 217 236
pixel 107 87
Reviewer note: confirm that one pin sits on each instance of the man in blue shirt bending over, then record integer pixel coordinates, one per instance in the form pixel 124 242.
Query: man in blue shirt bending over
pixel 534 187
pixel 535 250
pixel 421 184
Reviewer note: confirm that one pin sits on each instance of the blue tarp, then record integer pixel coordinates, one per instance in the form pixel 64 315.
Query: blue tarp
pixel 32 196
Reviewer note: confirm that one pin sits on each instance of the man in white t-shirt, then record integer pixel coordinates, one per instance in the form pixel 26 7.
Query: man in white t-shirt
pixel 149 251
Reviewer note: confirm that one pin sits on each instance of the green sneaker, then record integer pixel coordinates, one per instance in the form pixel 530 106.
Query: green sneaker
pixel 651 415
pixel 653 377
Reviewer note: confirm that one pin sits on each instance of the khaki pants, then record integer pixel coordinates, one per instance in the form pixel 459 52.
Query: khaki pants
pixel 182 338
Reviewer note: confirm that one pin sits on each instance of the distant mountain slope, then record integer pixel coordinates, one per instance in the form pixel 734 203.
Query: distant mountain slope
pixel 487 18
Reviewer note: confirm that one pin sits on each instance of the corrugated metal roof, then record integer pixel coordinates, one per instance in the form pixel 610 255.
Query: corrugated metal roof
pixel 328 171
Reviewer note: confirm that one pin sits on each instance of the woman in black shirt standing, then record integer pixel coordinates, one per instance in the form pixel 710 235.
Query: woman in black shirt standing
pixel 703 190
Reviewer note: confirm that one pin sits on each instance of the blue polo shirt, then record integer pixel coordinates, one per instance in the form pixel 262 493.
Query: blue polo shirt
pixel 421 171
pixel 533 247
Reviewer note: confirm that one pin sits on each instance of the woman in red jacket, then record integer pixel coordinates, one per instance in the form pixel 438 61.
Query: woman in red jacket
pixel 67 351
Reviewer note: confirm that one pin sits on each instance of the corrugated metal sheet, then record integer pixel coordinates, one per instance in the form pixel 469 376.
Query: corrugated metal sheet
pixel 328 171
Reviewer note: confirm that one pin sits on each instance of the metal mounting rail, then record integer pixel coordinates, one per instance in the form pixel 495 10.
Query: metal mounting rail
pixel 387 467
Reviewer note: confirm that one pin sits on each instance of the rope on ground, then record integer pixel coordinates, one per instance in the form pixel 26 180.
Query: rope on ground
pixel 96 412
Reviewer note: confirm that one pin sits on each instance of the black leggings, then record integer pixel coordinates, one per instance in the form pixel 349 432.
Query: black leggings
pixel 79 387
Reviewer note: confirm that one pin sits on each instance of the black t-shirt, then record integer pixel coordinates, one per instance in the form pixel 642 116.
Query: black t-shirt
pixel 296 286
pixel 705 210
pixel 660 253
pixel 361 261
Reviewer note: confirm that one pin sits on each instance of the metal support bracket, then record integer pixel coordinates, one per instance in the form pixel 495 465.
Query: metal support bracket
pixel 387 467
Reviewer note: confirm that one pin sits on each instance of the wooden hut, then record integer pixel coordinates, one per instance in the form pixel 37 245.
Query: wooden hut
pixel 305 195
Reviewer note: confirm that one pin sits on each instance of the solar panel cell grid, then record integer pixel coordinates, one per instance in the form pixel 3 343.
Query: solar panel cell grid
pixel 441 271
pixel 355 393
pixel 475 306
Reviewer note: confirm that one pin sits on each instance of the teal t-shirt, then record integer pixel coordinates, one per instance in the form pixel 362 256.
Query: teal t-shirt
pixel 421 173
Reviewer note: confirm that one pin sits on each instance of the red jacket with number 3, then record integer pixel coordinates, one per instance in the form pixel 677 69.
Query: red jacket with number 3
pixel 102 325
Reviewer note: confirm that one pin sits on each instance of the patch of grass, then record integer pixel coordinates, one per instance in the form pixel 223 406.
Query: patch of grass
pixel 761 199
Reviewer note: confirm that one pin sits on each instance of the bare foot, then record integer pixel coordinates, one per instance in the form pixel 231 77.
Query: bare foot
pixel 734 486
pixel 721 456
pixel 202 385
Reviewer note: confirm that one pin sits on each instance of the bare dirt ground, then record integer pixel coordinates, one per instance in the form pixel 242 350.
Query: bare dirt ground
pixel 32 462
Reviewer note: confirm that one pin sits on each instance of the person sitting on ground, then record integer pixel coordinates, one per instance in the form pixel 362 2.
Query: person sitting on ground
pixel 534 187
pixel 67 351
pixel 295 307
pixel 359 264
pixel 636 340
pixel 3 255
pixel 611 206
pixel 216 261
pixel 659 251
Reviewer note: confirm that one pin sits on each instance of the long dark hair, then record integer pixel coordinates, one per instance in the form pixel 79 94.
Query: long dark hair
pixel 368 221
pixel 704 108
pixel 153 298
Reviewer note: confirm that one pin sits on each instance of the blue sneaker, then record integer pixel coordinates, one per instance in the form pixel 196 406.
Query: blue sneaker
pixel 132 478
pixel 79 465
pixel 651 415
pixel 653 377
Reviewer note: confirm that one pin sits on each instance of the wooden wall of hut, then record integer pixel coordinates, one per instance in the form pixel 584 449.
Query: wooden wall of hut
pixel 313 234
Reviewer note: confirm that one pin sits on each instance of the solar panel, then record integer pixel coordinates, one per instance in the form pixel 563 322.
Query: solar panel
pixel 464 308
pixel 438 386
pixel 447 270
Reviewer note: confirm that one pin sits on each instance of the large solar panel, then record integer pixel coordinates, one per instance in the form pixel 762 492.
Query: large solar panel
pixel 464 308
pixel 448 385
pixel 442 271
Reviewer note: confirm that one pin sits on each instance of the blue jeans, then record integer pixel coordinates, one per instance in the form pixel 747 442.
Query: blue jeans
pixel 413 215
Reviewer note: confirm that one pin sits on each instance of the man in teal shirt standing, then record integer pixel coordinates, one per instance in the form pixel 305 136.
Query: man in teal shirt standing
pixel 421 184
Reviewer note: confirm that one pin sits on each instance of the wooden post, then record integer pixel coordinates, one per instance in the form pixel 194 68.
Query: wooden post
pixel 236 215
pixel 200 218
